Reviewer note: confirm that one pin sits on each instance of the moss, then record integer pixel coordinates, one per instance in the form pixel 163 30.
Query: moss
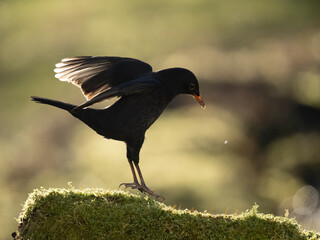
pixel 105 214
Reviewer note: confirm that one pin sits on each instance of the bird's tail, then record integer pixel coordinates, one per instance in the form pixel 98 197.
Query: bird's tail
pixel 58 104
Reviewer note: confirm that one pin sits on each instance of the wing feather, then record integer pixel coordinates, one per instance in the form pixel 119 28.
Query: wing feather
pixel 127 88
pixel 97 74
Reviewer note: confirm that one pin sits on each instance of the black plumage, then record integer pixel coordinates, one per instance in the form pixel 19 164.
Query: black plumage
pixel 143 95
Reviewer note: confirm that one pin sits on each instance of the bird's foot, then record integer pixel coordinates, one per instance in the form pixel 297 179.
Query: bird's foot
pixel 133 185
pixel 145 189
pixel 142 188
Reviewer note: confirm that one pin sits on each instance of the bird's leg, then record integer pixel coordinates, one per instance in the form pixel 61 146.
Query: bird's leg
pixel 133 149
pixel 135 184
pixel 143 187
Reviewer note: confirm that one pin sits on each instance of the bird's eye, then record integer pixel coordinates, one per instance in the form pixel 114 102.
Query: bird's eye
pixel 192 86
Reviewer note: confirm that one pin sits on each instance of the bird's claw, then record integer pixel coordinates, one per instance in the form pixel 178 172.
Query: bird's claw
pixel 130 185
pixel 133 185
pixel 152 193
pixel 142 188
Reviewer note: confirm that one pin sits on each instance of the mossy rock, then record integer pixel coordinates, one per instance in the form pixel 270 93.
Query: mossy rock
pixel 105 214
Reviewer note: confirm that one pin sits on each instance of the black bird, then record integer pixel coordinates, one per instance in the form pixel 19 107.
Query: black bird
pixel 142 96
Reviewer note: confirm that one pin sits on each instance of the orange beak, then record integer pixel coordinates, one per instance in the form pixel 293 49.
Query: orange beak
pixel 200 101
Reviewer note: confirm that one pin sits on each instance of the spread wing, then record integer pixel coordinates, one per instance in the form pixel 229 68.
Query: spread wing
pixel 95 75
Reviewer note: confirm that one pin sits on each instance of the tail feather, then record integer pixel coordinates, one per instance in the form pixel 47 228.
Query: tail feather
pixel 58 104
pixel 94 118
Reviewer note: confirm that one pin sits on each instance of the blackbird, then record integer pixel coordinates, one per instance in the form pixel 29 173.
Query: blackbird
pixel 142 96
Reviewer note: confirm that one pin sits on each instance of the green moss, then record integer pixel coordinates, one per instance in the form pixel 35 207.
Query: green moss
pixel 105 214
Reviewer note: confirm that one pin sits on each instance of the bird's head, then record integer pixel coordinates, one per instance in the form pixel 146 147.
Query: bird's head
pixel 188 84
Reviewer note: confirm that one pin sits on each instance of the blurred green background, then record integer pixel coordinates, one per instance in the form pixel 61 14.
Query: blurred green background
pixel 258 66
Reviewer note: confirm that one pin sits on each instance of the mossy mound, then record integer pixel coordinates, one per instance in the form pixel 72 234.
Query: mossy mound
pixel 104 214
